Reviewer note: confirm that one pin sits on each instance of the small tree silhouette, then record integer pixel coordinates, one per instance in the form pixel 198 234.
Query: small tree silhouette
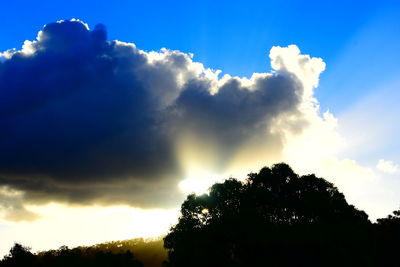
pixel 19 256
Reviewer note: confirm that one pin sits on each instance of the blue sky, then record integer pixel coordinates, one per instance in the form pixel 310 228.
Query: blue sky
pixel 355 144
pixel 235 36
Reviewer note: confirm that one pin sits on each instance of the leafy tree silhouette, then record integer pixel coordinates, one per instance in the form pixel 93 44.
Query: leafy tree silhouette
pixel 274 218
pixel 19 256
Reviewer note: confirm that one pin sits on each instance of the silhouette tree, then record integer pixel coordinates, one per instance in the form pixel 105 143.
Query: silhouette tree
pixel 274 218
pixel 388 238
pixel 64 257
pixel 19 255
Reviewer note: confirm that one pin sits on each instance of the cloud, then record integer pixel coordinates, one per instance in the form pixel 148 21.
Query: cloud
pixel 387 166
pixel 12 206
pixel 86 120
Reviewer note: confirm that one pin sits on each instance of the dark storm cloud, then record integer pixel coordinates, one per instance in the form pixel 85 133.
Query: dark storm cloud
pixel 86 120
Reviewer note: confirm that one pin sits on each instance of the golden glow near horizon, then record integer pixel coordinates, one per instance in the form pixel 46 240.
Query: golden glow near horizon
pixel 75 226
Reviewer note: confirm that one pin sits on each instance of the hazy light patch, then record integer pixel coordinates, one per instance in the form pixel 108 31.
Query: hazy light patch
pixel 253 155
pixel 320 140
pixel 371 125
pixel 73 226
pixel 198 162
pixel 199 182
pixel 387 166
pixel 361 186
pixel 320 148
pixel 317 149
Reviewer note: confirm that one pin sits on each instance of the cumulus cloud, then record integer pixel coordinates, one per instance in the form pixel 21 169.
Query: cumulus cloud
pixel 387 166
pixel 86 120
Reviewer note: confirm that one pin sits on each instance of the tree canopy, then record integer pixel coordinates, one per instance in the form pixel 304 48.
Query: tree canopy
pixel 273 218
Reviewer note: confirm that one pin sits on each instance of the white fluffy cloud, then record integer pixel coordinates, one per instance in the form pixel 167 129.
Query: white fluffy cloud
pixel 387 166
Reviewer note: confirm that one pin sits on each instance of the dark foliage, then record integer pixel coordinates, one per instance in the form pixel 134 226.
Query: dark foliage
pixel 64 257
pixel 149 251
pixel 388 239
pixel 274 218
pixel 19 256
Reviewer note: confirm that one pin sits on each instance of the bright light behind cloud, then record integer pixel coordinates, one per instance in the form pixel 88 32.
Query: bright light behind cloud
pixel 198 185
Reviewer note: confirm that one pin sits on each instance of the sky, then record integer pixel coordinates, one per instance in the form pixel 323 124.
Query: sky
pixel 112 112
